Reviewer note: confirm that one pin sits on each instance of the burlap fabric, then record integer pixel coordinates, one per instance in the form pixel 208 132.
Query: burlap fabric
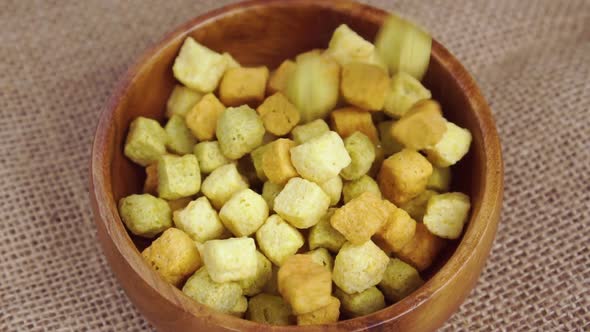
pixel 59 61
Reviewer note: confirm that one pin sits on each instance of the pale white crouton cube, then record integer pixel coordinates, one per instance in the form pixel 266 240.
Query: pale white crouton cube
pixel 210 156
pixel 446 214
pixel 232 259
pixel 302 203
pixel 181 100
pixel 222 183
pixel 254 285
pixel 222 297
pixel 451 148
pixel 199 220
pixel 198 67
pixel 244 212
pixel 304 133
pixel 353 189
pixel 333 188
pixel 269 192
pixel 278 240
pixel 359 266
pixel 321 158
pixel 323 235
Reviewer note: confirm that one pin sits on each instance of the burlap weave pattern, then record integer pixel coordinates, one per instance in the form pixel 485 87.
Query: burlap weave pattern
pixel 59 61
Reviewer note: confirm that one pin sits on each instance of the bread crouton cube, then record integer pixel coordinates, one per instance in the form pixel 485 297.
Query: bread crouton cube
pixel 453 146
pixel 181 100
pixel 446 214
pixel 421 127
pixel 244 212
pixel 360 218
pixel 222 183
pixel 252 286
pixel 304 284
pixel 323 235
pixel 400 280
pixel 173 255
pixel 210 156
pixel 269 309
pixel 347 46
pixel 325 315
pixel 302 203
pixel 150 185
pixel 322 256
pixel 146 141
pixel 388 143
pixel 239 131
pixel 278 114
pixel 199 220
pixel 362 154
pixel 421 251
pixel 398 230
pixel 440 180
pixel 178 176
pixel 348 120
pixel 278 79
pixel 358 267
pixel 304 133
pixel 198 67
pixel 276 161
pixel 179 204
pixel 222 297
pixel 416 207
pixel 202 118
pixel 269 192
pixel 353 189
pixel 321 158
pixel 243 86
pixel 232 259
pixel 179 138
pixel 360 304
pixel 145 215
pixel 364 85
pixel 333 188
pixel 404 92
pixel 278 240
pixel 240 308
pixel 404 176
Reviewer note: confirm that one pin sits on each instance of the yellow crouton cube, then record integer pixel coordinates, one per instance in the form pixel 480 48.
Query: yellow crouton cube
pixel 362 154
pixel 278 240
pixel 353 189
pixel 198 67
pixel 173 255
pixel 323 235
pixel 278 79
pixel 276 161
pixel 416 207
pixel 210 156
pixel 321 158
pixel 222 297
pixel 304 133
pixel 179 138
pixel 269 192
pixel 364 85
pixel 421 251
pixel 360 218
pixel 325 315
pixel 145 215
pixel 421 127
pixel 269 309
pixel 222 183
pixel 240 308
pixel 178 176
pixel 322 256
pixel 146 141
pixel 179 204
pixel 400 279
pixel 360 304
pixel 302 203
pixel 304 284
pixel 446 214
pixel 252 286
pixel 388 143
pixel 199 220
pixel 239 131
pixel 202 118
pixel 333 188
pixel 453 146
pixel 278 114
pixel 405 91
pixel 244 212
pixel 398 230
pixel 150 186
pixel 347 46
pixel 440 180
pixel 181 100
pixel 348 120
pixel 358 267
pixel 403 176
pixel 243 85
pixel 232 259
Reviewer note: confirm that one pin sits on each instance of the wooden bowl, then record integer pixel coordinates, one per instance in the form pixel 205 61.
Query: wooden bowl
pixel 265 33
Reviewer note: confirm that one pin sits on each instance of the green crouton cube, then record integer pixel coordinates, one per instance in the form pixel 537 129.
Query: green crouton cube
pixel 180 139
pixel 210 156
pixel 400 279
pixel 239 131
pixel 145 215
pixel 222 297
pixel 146 141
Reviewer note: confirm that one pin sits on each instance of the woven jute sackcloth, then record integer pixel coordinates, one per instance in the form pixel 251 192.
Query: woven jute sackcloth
pixel 60 60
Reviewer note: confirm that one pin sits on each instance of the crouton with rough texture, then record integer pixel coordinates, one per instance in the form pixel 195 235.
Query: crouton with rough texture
pixel 253 285
pixel 222 183
pixel 421 127
pixel 360 304
pixel 179 138
pixel 404 176
pixel 333 188
pixel 233 259
pixel 222 297
pixel 239 131
pixel 348 120
pixel 446 214
pixel 362 154
pixel 358 267
pixel 243 85
pixel 146 141
pixel 422 250
pixel 360 218
pixel 352 189
pixel 400 279
pixel 325 315
pixel 398 230
pixel 302 203
pixel 347 46
pixel 404 92
pixel 178 176
pixel 364 85
pixel 323 235
pixel 181 100
pixel 244 212
pixel 276 161
pixel 210 156
pixel 269 192
pixel 199 220
pixel 145 215
pixel 278 115
pixel 453 146
pixel 202 118
pixel 322 256
pixel 198 67
pixel 304 133
pixel 278 240
pixel 269 309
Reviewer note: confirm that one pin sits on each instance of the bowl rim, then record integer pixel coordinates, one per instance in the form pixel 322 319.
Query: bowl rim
pixel 482 221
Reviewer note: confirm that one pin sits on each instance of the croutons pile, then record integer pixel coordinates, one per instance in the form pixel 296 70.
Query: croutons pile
pixel 315 192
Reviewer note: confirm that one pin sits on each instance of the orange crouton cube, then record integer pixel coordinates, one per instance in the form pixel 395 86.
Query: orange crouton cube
pixel 150 186
pixel 202 118
pixel 276 161
pixel 278 115
pixel 422 249
pixel 346 121
pixel 325 315
pixel 360 218
pixel 243 85
pixel 398 230
pixel 404 176
pixel 421 127
pixel 364 85
pixel 280 76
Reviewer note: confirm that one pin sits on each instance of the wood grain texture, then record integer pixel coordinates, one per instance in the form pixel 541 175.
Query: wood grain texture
pixel 265 33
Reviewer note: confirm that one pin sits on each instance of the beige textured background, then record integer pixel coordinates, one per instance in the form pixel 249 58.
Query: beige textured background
pixel 59 60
